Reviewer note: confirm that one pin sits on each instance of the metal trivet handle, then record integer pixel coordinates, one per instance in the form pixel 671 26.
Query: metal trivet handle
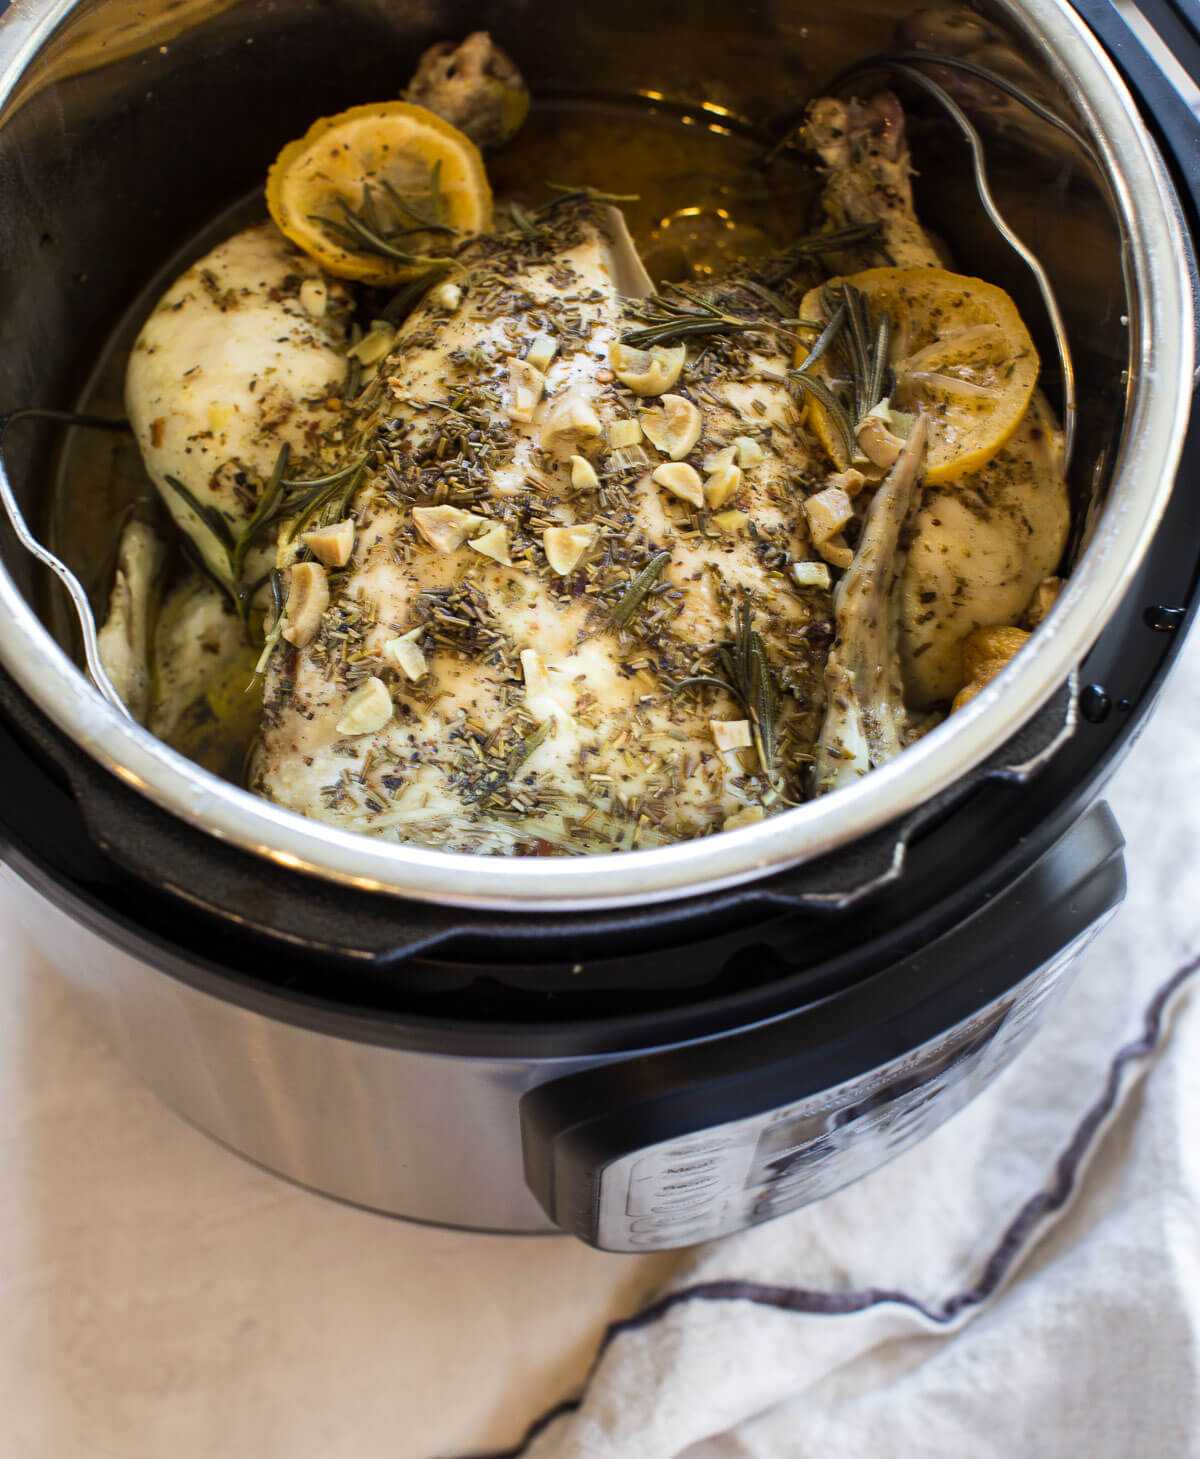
pixel 83 609
pixel 901 63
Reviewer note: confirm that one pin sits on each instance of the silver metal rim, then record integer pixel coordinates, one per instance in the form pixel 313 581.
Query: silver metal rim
pixel 1161 372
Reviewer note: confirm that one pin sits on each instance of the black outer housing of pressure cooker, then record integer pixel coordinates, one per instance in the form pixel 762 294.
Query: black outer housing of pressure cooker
pixel 724 1005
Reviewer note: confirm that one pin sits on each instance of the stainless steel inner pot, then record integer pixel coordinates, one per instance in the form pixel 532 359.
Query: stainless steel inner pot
pixel 124 128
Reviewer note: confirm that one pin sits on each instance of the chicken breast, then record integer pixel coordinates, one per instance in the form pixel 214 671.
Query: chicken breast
pixel 245 351
pixel 537 592
pixel 520 655
pixel 980 547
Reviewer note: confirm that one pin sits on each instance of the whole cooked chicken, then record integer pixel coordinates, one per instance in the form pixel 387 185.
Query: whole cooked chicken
pixel 549 560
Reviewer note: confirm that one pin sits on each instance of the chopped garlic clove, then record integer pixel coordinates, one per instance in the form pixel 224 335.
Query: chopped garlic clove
pixel 541 351
pixel 681 480
pixel 533 669
pixel 731 734
pixel 308 597
pixel 583 474
pixel 446 297
pixel 527 385
pixel 749 817
pixel 721 485
pixel 446 528
pixel 314 297
pixel 828 512
pixel 539 700
pixel 367 709
pixel 811 575
pixel 749 452
pixel 623 433
pixel 647 372
pixel 570 419
pixel 674 426
pixel 732 522
pixel 377 341
pixel 882 432
pixel 850 481
pixel 566 545
pixel 877 443
pixel 836 552
pixel 493 543
pixel 715 460
pixel 407 657
pixel 332 546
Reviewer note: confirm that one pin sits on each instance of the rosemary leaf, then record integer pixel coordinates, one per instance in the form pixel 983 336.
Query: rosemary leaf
pixel 837 412
pixel 279 600
pixel 571 191
pixel 527 746
pixel 750 677
pixel 688 314
pixel 266 509
pixel 422 222
pixel 638 589
pixel 210 516
pixel 825 338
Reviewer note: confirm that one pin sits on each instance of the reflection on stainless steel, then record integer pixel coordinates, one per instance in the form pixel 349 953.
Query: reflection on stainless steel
pixel 115 32
pixel 83 609
pixel 439 1139
pixel 173 136
pixel 432 1138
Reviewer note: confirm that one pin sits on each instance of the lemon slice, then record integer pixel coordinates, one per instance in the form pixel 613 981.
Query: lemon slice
pixel 960 353
pixel 379 192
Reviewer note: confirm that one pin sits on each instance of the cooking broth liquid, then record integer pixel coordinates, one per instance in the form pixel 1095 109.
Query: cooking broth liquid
pixel 705 200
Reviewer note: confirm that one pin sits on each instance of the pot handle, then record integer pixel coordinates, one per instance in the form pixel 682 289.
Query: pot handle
pixel 673 1147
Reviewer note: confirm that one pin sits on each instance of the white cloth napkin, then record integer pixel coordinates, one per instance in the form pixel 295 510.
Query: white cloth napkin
pixel 1025 1283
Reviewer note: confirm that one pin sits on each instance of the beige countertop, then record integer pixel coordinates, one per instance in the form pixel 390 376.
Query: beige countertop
pixel 159 1296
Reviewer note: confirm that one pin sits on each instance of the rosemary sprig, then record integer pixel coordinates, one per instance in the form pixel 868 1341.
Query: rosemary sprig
pixel 685 313
pixel 433 221
pixel 268 505
pixel 638 589
pixel 750 674
pixel 334 476
pixel 832 406
pixel 863 345
pixel 279 600
pixel 364 228
pixel 323 491
pixel 825 338
pixel 359 235
pixel 570 192
pixel 213 519
pixel 749 680
pixel 814 245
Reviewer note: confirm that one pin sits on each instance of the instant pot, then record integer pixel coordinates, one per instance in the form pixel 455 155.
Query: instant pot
pixel 666 1046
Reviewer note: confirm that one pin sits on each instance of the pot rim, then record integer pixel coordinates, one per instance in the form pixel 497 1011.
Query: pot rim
pixel 1158 405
